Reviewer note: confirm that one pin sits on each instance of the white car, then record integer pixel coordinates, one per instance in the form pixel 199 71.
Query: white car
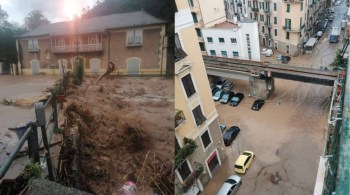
pixel 267 52
pixel 230 186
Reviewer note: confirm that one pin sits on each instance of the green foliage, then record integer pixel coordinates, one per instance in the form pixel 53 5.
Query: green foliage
pixel 32 171
pixel 184 152
pixel 338 61
pixel 8 33
pixel 79 69
pixel 59 89
pixel 35 19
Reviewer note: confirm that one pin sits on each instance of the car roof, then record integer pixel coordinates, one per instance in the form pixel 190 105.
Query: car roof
pixel 241 159
pixel 226 186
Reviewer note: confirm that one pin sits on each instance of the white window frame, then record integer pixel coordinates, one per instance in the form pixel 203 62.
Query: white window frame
pixel 33 44
pixel 134 37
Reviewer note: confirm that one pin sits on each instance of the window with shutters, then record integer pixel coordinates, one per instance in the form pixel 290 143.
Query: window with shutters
pixel 179 52
pixel 33 45
pixel 134 37
pixel 188 85
pixel 198 115
pixel 206 139
pixel 184 170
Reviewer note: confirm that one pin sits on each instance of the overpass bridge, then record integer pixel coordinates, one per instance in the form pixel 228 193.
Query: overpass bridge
pixel 261 74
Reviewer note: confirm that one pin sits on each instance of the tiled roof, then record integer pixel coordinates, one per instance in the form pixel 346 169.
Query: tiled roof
pixel 96 24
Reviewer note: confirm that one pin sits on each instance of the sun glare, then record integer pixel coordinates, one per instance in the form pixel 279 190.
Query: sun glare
pixel 72 9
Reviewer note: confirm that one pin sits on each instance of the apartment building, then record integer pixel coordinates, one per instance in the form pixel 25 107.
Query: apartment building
pixel 199 146
pixel 206 14
pixel 285 25
pixel 134 41
pixel 231 40
pixel 236 10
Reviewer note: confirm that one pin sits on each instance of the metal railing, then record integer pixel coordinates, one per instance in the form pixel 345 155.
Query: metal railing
pixel 31 136
pixel 77 48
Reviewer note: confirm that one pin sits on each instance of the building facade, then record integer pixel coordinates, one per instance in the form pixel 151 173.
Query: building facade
pixel 236 10
pixel 196 118
pixel 285 25
pixel 233 40
pixel 135 42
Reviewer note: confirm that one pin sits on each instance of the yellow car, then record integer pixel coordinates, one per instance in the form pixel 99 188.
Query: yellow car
pixel 244 161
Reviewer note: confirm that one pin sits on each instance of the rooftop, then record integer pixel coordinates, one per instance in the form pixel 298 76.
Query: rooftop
pixel 96 24
pixel 225 25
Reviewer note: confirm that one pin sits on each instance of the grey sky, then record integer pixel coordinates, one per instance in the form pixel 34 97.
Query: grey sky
pixel 54 10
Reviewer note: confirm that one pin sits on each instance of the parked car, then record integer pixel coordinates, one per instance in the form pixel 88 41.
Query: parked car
pixel 258 104
pixel 222 127
pixel 244 161
pixel 230 135
pixel 227 97
pixel 218 95
pixel 228 86
pixel 236 99
pixel 230 186
pixel 284 59
pixel 214 90
pixel 267 52
pixel 220 83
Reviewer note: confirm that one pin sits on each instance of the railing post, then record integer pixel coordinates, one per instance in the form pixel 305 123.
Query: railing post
pixel 33 143
pixel 41 120
pixel 54 109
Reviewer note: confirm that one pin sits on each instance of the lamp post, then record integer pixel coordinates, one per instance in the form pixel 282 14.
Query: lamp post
pixel 239 152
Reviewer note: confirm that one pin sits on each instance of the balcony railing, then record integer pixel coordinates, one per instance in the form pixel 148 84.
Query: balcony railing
pixel 255 9
pixel 77 48
pixel 268 24
pixel 289 29
pixel 239 4
pixel 267 11
pixel 293 1
pixel 179 118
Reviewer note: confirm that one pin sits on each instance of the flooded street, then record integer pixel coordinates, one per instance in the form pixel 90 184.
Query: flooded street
pixel 286 135
pixel 13 88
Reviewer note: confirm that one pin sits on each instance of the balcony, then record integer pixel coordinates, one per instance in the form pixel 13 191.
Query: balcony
pixel 268 24
pixel 179 118
pixel 33 48
pixel 268 12
pixel 239 4
pixel 255 9
pixel 77 48
pixel 267 35
pixel 293 1
pixel 289 29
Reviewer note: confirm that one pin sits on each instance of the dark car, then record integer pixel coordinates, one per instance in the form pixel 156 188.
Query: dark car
pixel 230 135
pixel 214 90
pixel 218 95
pixel 285 59
pixel 226 97
pixel 258 104
pixel 236 99
pixel 220 83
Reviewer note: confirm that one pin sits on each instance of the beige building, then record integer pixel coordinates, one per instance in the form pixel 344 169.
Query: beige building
pixel 206 14
pixel 285 25
pixel 134 41
pixel 196 117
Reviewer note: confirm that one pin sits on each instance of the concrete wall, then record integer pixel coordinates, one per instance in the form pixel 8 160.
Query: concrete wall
pixel 240 35
pixel 212 12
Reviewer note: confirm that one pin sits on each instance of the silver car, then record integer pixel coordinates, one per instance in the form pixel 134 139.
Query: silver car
pixel 230 186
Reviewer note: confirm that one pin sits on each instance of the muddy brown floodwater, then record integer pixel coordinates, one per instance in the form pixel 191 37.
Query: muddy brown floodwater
pixel 287 136
pixel 126 126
